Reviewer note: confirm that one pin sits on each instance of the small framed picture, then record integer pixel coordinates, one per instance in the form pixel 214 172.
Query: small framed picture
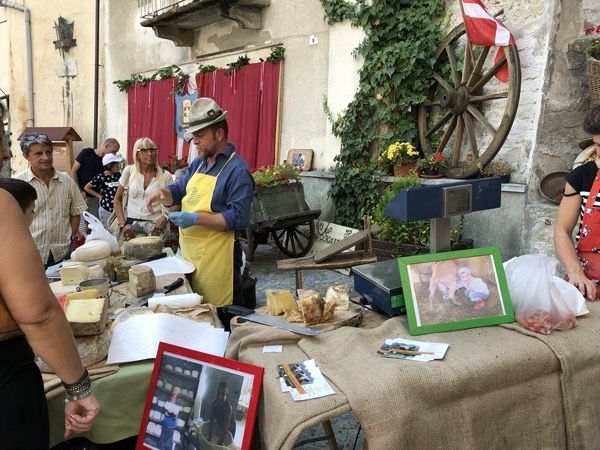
pixel 197 400
pixel 455 290
pixel 301 158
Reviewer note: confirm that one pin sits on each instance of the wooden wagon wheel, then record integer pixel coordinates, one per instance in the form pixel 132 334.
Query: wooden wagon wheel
pixel 295 240
pixel 469 113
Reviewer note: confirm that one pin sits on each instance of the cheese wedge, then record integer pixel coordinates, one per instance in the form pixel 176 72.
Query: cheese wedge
pixel 340 294
pixel 74 274
pixel 141 281
pixel 279 301
pixel 312 309
pixel 85 310
pixel 88 293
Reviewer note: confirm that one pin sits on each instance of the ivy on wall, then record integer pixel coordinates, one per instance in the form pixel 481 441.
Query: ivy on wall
pixel 401 37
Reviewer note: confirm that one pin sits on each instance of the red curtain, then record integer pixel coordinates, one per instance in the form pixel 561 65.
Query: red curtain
pixel 151 113
pixel 249 96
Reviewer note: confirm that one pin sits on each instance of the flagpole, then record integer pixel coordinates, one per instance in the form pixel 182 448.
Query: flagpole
pixel 462 12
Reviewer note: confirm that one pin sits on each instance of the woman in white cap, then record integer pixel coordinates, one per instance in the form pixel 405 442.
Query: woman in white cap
pixel 104 185
pixel 139 180
pixel 215 195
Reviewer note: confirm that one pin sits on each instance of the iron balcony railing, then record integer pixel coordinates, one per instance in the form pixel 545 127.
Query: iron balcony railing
pixel 152 8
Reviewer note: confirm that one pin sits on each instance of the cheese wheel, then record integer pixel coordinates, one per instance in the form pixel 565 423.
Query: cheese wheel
pixel 279 301
pixel 143 247
pixel 91 251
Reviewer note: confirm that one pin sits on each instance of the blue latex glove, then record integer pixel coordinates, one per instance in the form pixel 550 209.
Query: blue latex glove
pixel 183 219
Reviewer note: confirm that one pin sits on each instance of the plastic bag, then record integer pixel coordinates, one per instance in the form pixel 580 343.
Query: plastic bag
pixel 99 233
pixel 539 304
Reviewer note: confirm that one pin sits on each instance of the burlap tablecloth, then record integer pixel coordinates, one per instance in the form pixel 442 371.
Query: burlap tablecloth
pixel 498 387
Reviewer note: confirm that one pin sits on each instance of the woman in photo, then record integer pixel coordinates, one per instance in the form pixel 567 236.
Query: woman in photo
pixel 222 417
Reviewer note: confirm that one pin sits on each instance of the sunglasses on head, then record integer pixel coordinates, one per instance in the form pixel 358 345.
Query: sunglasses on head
pixel 35 137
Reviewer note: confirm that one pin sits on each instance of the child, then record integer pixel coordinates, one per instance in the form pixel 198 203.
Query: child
pixel 476 289
pixel 104 186
pixel 24 193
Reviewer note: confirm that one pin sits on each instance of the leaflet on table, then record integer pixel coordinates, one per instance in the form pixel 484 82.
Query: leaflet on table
pixel 303 380
pixel 400 348
pixel 137 338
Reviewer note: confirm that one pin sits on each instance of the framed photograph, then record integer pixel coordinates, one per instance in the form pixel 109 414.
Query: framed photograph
pixel 199 401
pixel 301 158
pixel 455 290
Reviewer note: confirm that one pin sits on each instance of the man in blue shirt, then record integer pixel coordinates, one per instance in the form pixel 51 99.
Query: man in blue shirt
pixel 215 195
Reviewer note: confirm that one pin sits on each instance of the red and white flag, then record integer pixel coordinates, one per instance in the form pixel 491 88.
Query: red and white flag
pixel 483 29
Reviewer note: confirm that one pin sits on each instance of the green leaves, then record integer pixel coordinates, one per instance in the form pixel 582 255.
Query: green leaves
pixel 398 52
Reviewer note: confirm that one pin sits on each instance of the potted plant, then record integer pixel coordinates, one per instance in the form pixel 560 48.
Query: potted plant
pixel 497 168
pixel 430 165
pixel 277 174
pixel 402 156
pixel 407 238
pixel 593 69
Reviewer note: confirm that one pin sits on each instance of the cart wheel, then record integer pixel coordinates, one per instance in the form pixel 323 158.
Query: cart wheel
pixel 468 114
pixel 296 240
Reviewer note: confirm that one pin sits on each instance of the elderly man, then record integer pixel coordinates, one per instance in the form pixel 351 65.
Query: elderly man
pixel 88 164
pixel 215 194
pixel 59 202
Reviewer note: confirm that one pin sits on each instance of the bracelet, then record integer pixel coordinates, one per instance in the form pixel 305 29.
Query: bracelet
pixel 82 388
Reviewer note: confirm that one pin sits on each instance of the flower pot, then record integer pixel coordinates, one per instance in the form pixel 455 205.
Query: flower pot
pixel 430 174
pixel 404 169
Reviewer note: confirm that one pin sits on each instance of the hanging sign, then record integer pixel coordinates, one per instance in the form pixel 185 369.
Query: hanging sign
pixel 184 104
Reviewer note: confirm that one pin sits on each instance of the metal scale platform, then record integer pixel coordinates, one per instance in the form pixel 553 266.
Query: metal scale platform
pixel 379 283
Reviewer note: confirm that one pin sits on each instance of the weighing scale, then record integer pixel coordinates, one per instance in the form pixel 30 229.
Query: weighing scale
pixel 379 283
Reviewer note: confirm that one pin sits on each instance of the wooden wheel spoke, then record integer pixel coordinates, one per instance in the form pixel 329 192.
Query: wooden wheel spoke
pixel 431 104
pixel 479 116
pixel 440 124
pixel 453 67
pixel 441 80
pixel 458 142
pixel 290 238
pixel 467 62
pixel 447 134
pixel 478 65
pixel 471 134
pixel 487 97
pixel 303 233
pixel 488 76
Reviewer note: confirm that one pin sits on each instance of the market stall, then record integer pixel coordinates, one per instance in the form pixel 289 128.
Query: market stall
pixel 498 387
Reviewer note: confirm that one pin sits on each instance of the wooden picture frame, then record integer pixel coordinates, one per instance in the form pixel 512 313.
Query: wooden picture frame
pixel 447 291
pixel 188 389
pixel 300 157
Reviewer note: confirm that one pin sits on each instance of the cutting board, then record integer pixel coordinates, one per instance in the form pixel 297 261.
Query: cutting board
pixel 350 318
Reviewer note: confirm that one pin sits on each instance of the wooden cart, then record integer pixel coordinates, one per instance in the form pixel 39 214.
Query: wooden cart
pixel 282 212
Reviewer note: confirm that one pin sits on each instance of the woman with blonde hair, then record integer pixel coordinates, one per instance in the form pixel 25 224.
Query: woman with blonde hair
pixel 136 182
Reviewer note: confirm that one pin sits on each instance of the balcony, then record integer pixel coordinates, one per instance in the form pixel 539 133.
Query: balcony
pixel 177 20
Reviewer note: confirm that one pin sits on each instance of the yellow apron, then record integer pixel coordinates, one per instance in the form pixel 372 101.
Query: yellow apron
pixel 210 251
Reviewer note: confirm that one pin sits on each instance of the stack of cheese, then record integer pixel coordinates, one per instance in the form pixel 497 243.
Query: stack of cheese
pixel 310 309
pixel 74 272
pixel 86 313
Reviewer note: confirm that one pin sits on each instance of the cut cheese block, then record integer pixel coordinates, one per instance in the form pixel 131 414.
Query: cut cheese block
pixel 88 293
pixel 340 294
pixel 92 350
pixel 279 301
pixel 312 309
pixel 91 251
pixel 74 274
pixel 96 271
pixel 305 293
pixel 87 316
pixel 141 281
pixel 143 247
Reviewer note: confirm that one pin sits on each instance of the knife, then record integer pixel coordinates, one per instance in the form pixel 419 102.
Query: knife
pixel 165 290
pixel 250 314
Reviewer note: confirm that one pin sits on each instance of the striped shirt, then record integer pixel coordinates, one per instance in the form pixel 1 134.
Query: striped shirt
pixel 55 204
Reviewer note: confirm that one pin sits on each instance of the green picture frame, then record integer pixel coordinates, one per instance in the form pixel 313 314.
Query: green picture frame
pixel 447 291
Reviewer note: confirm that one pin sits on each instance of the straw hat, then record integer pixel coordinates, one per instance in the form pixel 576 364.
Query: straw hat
pixel 203 113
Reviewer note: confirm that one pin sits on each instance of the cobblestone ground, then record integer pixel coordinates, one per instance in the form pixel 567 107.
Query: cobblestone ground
pixel 264 269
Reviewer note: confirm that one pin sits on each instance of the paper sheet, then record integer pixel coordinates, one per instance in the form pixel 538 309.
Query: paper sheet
pixel 137 338
pixel 170 264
